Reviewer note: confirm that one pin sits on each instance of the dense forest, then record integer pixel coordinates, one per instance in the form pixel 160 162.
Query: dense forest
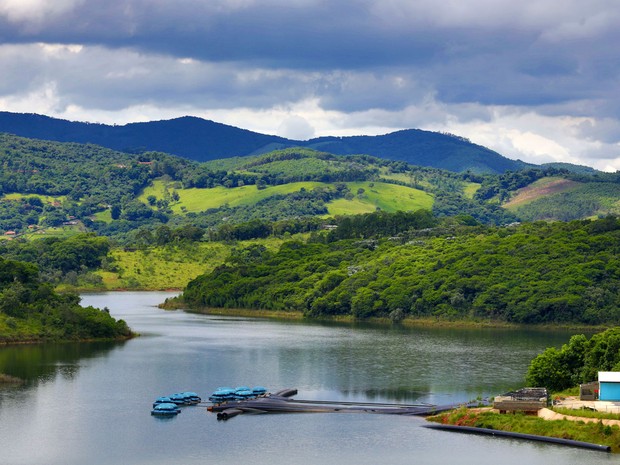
pixel 531 273
pixel 30 310
pixel 67 260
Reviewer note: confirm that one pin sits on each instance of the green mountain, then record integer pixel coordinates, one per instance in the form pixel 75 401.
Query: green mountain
pixel 202 140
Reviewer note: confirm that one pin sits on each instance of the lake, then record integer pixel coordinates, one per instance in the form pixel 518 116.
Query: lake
pixel 90 403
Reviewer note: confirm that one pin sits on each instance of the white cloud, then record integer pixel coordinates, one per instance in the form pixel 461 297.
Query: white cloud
pixel 36 10
pixel 296 127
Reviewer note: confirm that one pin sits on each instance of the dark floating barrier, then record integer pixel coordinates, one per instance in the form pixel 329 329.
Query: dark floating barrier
pixel 529 437
pixel 285 393
pixel 228 413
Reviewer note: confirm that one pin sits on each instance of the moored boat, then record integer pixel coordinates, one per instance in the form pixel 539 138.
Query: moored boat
pixel 166 409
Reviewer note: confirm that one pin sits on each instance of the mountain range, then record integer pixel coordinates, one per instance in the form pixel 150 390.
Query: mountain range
pixel 202 140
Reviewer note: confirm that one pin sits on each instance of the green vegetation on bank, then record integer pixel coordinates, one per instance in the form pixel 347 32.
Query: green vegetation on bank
pixel 586 413
pixel 30 310
pixel 577 362
pixel 400 265
pixel 560 371
pixel 70 260
pixel 594 433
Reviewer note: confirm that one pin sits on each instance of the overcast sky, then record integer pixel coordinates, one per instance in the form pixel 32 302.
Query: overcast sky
pixel 533 79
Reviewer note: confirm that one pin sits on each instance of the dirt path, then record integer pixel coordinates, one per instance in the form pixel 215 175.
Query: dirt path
pixel 547 414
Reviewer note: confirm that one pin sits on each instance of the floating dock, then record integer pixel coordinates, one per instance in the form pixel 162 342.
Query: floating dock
pixel 282 402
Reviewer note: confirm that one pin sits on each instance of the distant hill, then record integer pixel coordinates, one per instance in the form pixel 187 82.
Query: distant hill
pixel 203 140
pixel 188 137
pixel 422 148
pixel 579 169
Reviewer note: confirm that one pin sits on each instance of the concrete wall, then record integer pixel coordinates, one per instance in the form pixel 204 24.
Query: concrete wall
pixel 508 404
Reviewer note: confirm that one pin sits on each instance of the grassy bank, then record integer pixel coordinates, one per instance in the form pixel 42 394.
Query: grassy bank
pixel 586 413
pixel 595 433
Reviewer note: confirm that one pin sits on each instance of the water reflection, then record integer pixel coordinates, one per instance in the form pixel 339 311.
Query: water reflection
pixel 43 362
pixel 91 403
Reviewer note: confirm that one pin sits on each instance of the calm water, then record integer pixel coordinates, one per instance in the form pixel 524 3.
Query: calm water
pixel 90 403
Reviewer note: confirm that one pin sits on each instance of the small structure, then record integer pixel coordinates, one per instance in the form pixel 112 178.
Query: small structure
pixel 609 385
pixel 588 391
pixel 528 400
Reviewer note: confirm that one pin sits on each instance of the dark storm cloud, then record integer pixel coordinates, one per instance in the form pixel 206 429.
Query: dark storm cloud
pixel 320 35
pixel 466 58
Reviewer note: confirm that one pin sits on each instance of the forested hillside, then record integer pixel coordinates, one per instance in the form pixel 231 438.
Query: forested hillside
pixel 533 273
pixel 80 188
pixel 52 188
pixel 30 310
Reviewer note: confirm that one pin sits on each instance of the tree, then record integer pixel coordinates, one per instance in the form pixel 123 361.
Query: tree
pixel 547 370
pixel 163 235
pixel 115 212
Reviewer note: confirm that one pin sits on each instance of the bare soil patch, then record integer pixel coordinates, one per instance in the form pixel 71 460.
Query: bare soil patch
pixel 539 189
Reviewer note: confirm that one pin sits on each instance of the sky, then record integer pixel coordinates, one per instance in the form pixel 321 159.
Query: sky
pixel 536 80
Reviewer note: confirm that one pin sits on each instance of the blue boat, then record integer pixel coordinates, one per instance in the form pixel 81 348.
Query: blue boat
pixel 178 399
pixel 162 400
pixel 166 409
pixel 243 393
pixel 191 397
pixel 222 394
pixel 185 398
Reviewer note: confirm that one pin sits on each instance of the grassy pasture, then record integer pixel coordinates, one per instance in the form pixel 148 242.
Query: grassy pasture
pixel 470 189
pixel 105 216
pixel 170 267
pixel 196 200
pixel 44 198
pixel 387 197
